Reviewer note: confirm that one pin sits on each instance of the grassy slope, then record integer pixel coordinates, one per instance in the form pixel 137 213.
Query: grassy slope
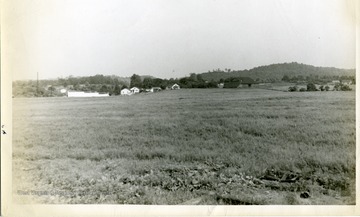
pixel 170 147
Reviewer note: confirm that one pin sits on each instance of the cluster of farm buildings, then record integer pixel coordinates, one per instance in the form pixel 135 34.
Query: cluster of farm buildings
pixel 331 86
pixel 124 92
pixel 232 84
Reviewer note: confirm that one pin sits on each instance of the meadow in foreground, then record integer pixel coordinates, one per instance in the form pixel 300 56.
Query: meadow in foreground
pixel 211 146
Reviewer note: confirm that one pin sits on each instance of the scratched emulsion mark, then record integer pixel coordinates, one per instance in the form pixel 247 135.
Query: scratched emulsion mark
pixel 3 132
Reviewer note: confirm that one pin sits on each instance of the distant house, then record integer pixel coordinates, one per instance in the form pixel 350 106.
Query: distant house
pixel 239 82
pixel 155 89
pixel 221 85
pixel 85 94
pixel 335 82
pixel 135 90
pixel 125 91
pixel 175 87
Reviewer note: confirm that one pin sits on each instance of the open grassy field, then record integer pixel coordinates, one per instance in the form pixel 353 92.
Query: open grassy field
pixel 189 146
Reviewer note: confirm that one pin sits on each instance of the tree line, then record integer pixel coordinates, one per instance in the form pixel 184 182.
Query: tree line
pixel 317 79
pixel 286 72
pixel 275 72
pixel 192 81
pixel 103 84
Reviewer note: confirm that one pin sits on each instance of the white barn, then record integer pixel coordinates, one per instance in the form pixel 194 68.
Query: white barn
pixel 125 91
pixel 85 94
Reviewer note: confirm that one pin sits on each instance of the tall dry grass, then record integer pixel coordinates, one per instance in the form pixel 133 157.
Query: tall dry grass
pixel 72 141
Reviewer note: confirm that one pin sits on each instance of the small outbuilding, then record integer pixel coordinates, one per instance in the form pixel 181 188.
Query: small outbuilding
pixel 175 87
pixel 155 89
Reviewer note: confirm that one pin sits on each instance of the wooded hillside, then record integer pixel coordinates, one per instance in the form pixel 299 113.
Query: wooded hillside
pixel 275 72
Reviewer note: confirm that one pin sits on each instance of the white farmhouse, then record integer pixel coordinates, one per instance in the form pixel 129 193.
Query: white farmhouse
pixel 125 91
pixel 135 90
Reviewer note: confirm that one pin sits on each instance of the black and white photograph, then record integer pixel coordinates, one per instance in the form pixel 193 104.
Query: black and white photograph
pixel 183 103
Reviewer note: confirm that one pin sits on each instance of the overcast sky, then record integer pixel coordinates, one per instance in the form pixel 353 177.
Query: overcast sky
pixel 172 38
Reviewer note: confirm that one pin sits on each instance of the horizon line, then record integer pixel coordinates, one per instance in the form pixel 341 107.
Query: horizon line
pixel 237 70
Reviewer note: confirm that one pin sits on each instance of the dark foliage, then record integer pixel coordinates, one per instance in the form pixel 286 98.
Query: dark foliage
pixel 135 81
pixel 234 82
pixel 117 90
pixel 311 87
pixel 294 88
pixel 342 87
pixel 285 78
pixel 286 72
pixel 196 81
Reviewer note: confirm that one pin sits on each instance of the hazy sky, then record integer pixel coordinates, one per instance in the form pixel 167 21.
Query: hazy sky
pixel 172 38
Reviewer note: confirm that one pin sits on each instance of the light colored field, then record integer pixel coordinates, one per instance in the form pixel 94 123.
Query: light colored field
pixel 210 146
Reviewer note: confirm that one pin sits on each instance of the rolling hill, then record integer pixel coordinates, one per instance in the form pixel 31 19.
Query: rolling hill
pixel 277 71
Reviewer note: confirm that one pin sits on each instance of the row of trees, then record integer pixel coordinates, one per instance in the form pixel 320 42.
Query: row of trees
pixel 275 72
pixel 197 81
pixel 312 87
pixel 192 81
pixel 92 80
pixel 114 84
pixel 317 79
pixel 31 89
pixel 149 82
